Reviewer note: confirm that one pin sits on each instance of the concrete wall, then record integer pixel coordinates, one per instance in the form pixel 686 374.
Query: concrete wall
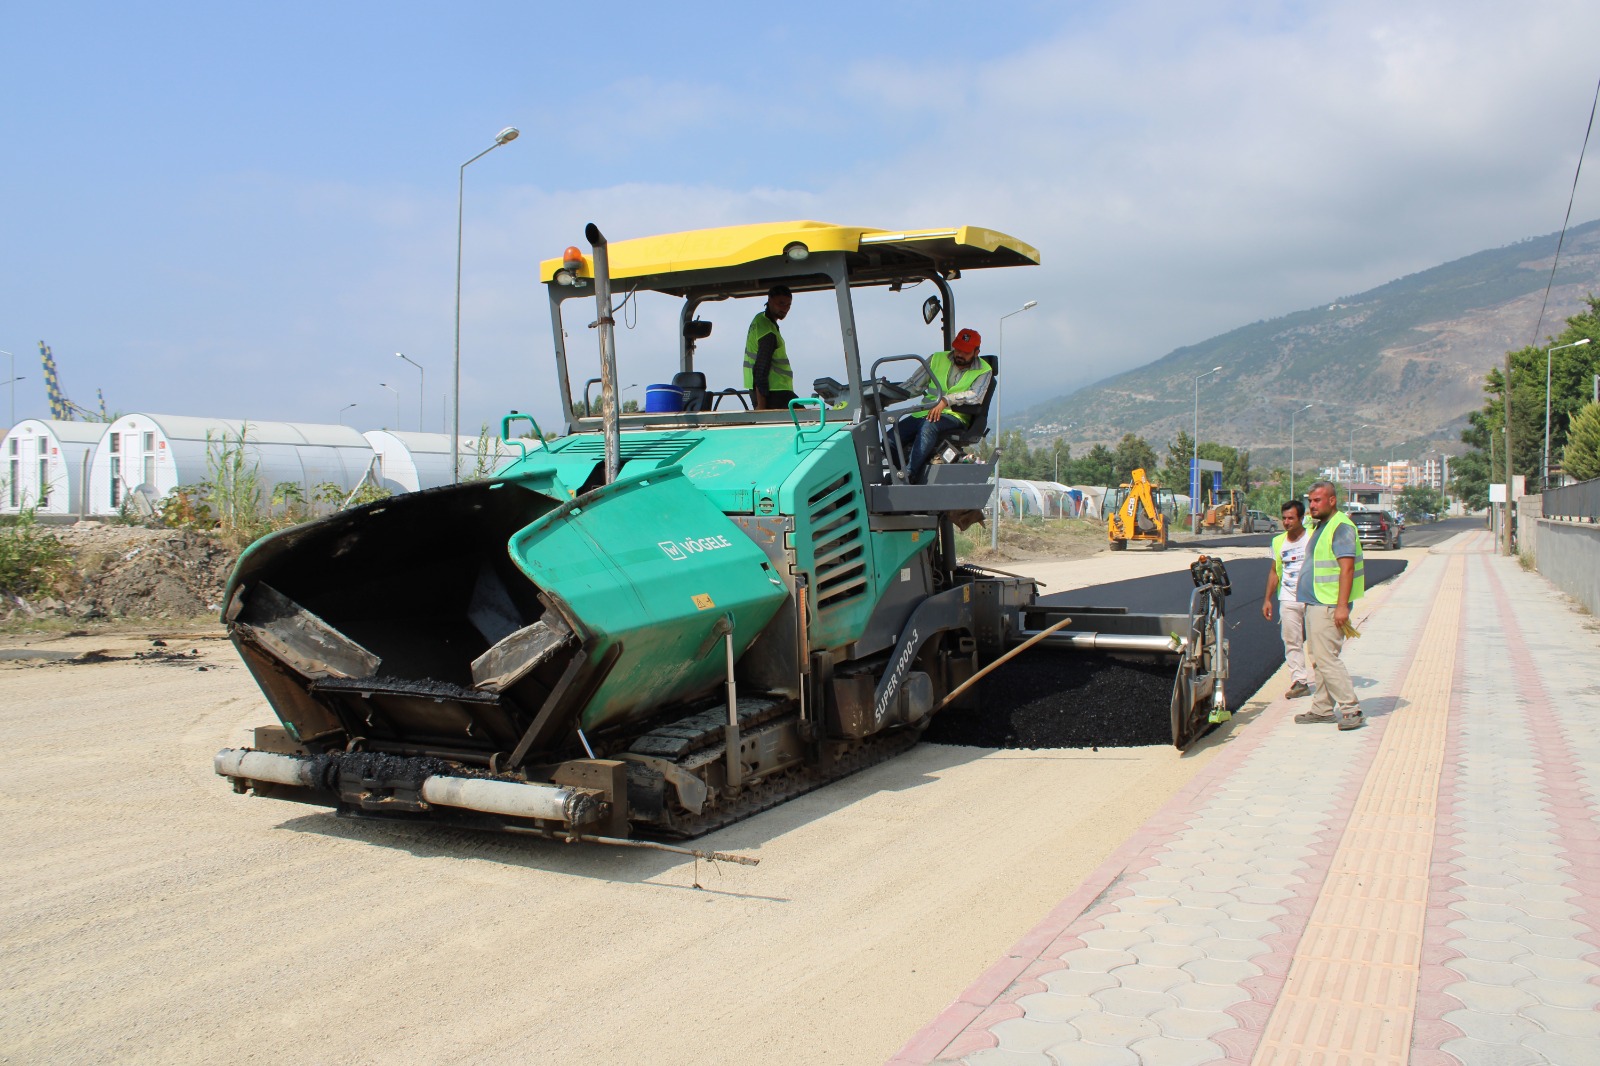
pixel 1530 513
pixel 1569 555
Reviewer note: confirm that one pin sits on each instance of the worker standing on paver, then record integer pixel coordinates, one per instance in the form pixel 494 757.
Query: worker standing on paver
pixel 1328 586
pixel 767 373
pixel 1288 553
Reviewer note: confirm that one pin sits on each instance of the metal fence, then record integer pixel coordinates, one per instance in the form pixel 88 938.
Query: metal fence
pixel 1580 502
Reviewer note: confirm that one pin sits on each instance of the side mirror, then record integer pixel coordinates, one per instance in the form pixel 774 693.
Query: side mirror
pixel 930 310
pixel 697 330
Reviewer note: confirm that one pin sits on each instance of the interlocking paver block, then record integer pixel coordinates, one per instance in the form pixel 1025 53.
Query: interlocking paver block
pixel 1211 999
pixel 1220 971
pixel 1487 951
pixel 1052 1007
pixel 1478 1053
pixel 1574 995
pixel 1132 1002
pixel 1155 953
pixel 1118 940
pixel 1076 982
pixel 1170 1051
pixel 1095 960
pixel 1002 1057
pixel 1565 1022
pixel 1188 1024
pixel 1490 973
pixel 1077 1053
pixel 1490 998
pixel 1026 1035
pixel 1493 1028
pixel 1550 947
pixel 1115 1030
pixel 1558 1048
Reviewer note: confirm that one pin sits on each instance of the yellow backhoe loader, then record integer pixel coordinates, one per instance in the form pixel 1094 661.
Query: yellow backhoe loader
pixel 1136 513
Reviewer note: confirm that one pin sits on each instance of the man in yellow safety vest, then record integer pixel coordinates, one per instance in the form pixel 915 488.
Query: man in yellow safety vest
pixel 1332 578
pixel 965 381
pixel 767 373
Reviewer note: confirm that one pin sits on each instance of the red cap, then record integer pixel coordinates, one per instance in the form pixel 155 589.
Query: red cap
pixel 966 341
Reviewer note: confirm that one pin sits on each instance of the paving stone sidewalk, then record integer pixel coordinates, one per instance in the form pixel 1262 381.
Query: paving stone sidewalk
pixel 1424 890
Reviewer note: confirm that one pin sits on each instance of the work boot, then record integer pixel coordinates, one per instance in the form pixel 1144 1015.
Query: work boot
pixel 1352 721
pixel 1296 690
pixel 1313 718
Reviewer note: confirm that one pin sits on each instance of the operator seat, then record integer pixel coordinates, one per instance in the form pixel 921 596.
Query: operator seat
pixel 693 385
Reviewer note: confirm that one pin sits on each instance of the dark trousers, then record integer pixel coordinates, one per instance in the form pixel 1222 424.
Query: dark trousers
pixel 779 400
pixel 923 435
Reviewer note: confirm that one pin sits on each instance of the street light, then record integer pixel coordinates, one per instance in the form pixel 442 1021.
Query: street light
pixel 1307 407
pixel 1547 354
pixel 1000 351
pixel 1194 478
pixel 422 385
pixel 343 409
pixel 396 392
pixel 505 136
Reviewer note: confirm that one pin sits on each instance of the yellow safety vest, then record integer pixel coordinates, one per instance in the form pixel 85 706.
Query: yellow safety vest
pixel 780 378
pixel 940 365
pixel 1325 565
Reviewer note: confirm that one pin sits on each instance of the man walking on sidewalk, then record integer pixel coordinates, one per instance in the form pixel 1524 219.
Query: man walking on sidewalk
pixel 1332 579
pixel 1288 553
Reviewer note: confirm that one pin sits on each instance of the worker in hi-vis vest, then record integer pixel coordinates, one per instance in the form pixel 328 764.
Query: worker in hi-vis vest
pixel 1332 578
pixel 767 373
pixel 966 380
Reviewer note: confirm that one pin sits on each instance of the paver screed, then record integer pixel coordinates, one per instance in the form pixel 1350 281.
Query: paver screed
pixel 1422 890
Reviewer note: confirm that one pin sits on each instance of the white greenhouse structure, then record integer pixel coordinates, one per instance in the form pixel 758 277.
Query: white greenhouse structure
pixel 43 465
pixel 148 456
pixel 407 462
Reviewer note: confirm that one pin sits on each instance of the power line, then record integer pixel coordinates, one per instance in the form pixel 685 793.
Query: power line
pixel 1560 240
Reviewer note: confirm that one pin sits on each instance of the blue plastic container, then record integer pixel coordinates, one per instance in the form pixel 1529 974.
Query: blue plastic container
pixel 659 398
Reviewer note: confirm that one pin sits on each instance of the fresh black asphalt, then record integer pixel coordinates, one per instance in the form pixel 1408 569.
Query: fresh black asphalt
pixel 1058 699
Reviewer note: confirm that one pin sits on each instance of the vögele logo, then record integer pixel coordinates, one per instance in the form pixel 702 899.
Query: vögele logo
pixel 678 550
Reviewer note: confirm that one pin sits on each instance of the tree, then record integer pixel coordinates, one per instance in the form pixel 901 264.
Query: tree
pixel 1175 475
pixel 1418 500
pixel 1098 467
pixel 1582 456
pixel 1133 453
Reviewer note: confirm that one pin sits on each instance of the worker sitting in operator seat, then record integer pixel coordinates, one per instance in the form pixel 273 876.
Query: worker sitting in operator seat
pixel 966 380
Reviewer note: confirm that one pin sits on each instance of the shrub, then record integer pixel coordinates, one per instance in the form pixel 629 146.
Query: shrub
pixel 31 560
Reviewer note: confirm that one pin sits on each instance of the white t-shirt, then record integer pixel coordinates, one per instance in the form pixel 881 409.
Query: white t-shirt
pixel 1293 555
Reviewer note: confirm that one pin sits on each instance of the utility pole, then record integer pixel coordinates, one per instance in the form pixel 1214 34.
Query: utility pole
pixel 1510 499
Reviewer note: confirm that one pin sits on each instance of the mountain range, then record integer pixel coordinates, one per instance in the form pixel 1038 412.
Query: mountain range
pixel 1405 360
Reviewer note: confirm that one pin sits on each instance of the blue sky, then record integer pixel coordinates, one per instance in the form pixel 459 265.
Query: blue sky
pixel 247 210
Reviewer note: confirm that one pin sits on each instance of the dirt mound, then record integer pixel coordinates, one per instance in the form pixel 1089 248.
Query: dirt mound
pixel 130 572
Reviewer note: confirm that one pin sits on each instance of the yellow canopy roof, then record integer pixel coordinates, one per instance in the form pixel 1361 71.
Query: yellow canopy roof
pixel 960 247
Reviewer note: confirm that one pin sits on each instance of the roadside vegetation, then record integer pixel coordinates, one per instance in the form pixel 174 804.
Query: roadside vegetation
pixel 32 559
pixel 1573 360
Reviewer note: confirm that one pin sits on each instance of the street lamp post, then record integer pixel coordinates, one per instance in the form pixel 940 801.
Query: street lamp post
pixel 1000 351
pixel 505 136
pixel 1307 407
pixel 1547 354
pixel 422 385
pixel 343 409
pixel 1194 478
pixel 396 392
pixel 1351 490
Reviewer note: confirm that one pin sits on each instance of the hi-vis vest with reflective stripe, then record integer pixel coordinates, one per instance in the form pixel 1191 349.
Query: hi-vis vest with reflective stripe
pixel 1325 565
pixel 940 364
pixel 780 378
